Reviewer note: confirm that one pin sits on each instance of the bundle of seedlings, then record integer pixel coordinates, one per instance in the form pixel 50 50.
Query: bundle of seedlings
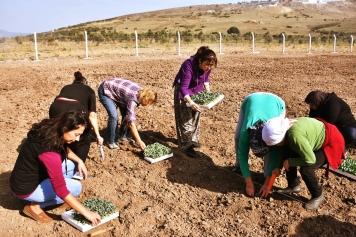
pixel 102 207
pixel 349 166
pixel 205 97
pixel 156 150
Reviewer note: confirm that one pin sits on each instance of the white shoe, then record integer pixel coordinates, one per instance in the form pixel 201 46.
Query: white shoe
pixel 113 146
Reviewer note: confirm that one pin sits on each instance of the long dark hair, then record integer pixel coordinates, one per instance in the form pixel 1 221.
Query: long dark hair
pixel 79 79
pixel 205 54
pixel 49 132
pixel 315 98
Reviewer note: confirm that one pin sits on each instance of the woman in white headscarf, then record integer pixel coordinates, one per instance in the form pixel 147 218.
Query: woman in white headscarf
pixel 308 143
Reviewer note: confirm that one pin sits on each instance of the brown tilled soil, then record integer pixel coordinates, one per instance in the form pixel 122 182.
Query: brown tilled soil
pixel 181 196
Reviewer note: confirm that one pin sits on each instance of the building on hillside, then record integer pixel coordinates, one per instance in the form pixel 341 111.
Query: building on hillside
pixel 311 1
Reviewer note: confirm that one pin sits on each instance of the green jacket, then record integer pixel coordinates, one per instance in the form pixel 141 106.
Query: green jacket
pixel 304 137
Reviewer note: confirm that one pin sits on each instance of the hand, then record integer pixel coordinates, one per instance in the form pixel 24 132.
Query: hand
pixel 82 169
pixel 195 107
pixel 286 165
pixel 263 191
pixel 141 144
pixel 100 140
pixel 93 217
pixel 250 189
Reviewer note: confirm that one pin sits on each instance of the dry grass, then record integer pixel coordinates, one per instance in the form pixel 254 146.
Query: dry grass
pixel 275 19
pixel 299 18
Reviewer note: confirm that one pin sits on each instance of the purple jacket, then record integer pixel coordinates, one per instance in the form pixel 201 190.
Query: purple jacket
pixel 191 79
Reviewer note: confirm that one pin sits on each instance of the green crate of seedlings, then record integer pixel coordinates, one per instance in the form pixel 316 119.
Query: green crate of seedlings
pixel 207 99
pixel 105 209
pixel 349 166
pixel 156 152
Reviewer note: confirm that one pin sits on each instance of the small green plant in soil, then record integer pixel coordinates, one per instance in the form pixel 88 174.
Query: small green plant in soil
pixel 102 207
pixel 156 150
pixel 349 166
pixel 205 97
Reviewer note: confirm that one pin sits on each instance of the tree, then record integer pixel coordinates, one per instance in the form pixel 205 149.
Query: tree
pixel 233 30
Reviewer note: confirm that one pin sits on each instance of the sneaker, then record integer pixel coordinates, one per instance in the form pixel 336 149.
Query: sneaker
pixel 236 170
pixel 196 145
pixel 191 152
pixel 313 203
pixel 289 190
pixel 113 146
pixel 126 140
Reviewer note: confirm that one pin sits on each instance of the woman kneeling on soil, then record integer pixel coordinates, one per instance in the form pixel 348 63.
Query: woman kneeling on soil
pixel 192 78
pixel 42 173
pixel 127 95
pixel 334 110
pixel 308 143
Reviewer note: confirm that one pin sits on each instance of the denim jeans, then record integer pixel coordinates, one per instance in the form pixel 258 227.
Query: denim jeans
pixel 44 194
pixel 111 108
pixel 308 175
pixel 349 134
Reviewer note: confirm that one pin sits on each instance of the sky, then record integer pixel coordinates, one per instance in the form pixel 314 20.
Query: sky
pixel 28 16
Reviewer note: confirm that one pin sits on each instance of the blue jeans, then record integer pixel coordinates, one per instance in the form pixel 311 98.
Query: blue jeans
pixel 44 194
pixel 349 134
pixel 111 108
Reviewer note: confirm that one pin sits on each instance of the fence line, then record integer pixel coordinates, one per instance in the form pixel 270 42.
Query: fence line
pixel 220 44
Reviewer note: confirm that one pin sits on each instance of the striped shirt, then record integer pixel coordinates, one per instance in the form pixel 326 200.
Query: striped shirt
pixel 125 94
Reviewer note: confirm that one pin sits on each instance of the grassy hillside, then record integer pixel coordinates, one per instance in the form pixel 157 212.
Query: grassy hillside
pixel 200 24
pixel 291 18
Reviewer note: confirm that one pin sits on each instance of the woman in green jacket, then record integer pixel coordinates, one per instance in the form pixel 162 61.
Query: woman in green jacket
pixel 308 143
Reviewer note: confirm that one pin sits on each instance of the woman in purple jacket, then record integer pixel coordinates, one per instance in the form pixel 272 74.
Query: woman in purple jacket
pixel 192 78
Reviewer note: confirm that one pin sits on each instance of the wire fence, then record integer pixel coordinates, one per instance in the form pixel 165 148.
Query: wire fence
pixel 42 46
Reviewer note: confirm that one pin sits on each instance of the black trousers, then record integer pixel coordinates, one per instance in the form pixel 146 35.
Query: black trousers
pixel 307 173
pixel 58 107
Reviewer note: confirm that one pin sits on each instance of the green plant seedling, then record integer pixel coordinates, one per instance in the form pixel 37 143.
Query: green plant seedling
pixel 156 150
pixel 205 97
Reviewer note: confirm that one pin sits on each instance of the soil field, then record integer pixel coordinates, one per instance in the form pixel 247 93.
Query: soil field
pixel 181 196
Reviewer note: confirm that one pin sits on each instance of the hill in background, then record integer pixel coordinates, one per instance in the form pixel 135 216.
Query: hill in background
pixel 259 17
pixel 4 33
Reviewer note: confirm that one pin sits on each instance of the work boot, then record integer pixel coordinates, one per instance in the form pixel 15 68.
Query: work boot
pixel 191 152
pixel 197 145
pixel 313 203
pixel 289 190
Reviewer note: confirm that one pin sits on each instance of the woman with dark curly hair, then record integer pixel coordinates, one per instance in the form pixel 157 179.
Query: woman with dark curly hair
pixel 45 166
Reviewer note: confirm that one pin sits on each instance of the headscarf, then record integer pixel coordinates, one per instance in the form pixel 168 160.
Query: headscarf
pixel 257 145
pixel 315 98
pixel 275 129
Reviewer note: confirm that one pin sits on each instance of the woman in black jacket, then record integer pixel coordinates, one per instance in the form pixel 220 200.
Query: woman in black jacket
pixel 78 96
pixel 334 110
